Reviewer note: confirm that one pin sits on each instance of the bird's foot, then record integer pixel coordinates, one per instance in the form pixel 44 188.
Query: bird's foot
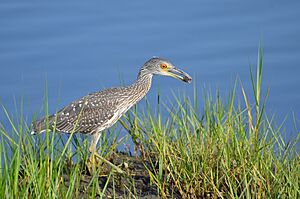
pixel 93 163
pixel 97 163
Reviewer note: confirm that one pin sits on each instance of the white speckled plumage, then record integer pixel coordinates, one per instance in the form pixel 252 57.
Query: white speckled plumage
pixel 98 111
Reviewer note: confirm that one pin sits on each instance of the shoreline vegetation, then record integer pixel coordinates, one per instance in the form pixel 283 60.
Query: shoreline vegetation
pixel 230 149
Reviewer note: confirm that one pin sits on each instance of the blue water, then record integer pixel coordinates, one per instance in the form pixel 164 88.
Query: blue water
pixel 84 47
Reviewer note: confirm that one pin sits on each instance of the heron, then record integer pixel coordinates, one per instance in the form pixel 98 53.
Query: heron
pixel 98 111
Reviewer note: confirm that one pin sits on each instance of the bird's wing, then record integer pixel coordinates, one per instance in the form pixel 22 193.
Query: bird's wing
pixel 90 113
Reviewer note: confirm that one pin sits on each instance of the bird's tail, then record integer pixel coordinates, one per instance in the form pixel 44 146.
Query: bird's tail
pixel 40 126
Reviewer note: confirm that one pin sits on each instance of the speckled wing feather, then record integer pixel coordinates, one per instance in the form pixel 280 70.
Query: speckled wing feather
pixel 89 114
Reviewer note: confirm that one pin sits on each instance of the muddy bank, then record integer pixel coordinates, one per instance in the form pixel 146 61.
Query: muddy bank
pixel 134 181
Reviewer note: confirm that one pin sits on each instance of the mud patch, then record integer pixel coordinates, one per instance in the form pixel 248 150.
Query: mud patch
pixel 134 182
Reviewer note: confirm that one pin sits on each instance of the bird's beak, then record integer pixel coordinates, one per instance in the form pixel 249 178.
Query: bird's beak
pixel 179 74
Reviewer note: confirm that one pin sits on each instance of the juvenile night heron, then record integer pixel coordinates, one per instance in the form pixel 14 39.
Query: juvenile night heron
pixel 98 111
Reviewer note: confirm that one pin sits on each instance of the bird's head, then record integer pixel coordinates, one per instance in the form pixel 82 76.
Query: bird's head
pixel 160 66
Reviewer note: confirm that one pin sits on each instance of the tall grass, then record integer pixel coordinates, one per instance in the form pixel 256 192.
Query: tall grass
pixel 227 149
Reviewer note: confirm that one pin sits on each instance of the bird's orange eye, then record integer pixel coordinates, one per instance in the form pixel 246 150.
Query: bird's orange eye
pixel 163 66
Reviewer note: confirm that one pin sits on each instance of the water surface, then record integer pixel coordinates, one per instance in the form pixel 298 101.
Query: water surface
pixel 80 47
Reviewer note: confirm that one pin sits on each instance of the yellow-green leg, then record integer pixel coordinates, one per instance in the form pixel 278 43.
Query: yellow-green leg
pixel 92 164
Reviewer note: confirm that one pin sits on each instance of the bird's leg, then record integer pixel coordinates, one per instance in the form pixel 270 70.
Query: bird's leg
pixel 93 148
pixel 95 139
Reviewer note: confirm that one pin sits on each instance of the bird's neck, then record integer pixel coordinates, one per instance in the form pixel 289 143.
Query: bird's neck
pixel 141 86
